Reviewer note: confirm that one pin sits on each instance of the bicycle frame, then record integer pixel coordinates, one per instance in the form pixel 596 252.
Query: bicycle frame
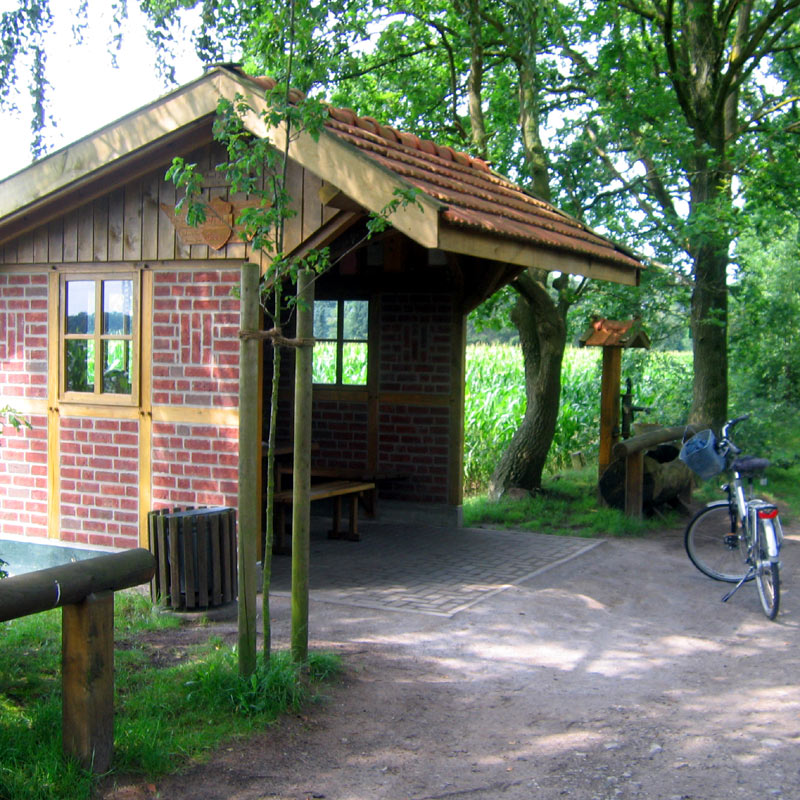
pixel 758 537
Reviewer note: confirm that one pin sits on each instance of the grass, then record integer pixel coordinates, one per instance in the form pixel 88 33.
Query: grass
pixel 567 506
pixel 164 715
pixel 568 503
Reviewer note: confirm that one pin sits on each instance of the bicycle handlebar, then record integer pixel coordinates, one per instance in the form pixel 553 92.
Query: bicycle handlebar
pixel 728 427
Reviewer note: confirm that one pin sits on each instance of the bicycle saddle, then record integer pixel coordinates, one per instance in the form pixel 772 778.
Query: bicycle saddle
pixel 749 465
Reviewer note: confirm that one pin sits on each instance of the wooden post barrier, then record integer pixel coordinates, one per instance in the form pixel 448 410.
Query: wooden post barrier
pixel 632 452
pixel 84 590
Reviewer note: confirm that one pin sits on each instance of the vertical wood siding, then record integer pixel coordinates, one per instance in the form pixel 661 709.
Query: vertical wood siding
pixel 128 224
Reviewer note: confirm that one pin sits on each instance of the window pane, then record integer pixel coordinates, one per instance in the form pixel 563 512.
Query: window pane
pixel 117 366
pixel 80 306
pixel 356 319
pixel 354 368
pixel 326 314
pixel 118 307
pixel 79 365
pixel 324 363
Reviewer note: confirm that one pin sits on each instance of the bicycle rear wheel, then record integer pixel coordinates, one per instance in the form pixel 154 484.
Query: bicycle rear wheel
pixel 767 577
pixel 714 544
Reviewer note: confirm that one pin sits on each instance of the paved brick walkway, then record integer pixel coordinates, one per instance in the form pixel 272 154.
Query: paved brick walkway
pixel 425 569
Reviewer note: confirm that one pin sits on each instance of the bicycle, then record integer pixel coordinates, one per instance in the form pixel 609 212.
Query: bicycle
pixel 739 539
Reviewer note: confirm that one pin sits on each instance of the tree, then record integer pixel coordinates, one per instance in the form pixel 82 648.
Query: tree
pixel 483 77
pixel 22 32
pixel 682 98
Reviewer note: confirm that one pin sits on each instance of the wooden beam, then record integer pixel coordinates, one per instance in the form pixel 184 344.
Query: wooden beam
pixel 145 405
pixel 333 197
pixel 67 584
pixel 369 184
pixel 609 404
pixel 225 417
pixel 458 361
pixel 87 680
pixel 524 254
pixel 249 494
pixel 327 233
pixel 53 413
pixel 644 441
pixel 301 477
pixel 111 144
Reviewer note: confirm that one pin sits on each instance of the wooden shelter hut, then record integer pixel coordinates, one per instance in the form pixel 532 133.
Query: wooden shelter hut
pixel 119 333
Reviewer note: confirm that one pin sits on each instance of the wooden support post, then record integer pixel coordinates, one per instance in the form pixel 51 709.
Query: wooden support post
pixel 87 669
pixel 249 500
pixel 609 405
pixel 301 483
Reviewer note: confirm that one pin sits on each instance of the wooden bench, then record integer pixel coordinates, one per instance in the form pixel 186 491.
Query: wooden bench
pixel 334 490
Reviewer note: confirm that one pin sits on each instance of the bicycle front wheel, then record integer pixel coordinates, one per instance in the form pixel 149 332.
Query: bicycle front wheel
pixel 715 545
pixel 767 577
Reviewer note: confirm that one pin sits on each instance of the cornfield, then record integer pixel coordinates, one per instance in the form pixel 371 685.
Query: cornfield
pixel 495 402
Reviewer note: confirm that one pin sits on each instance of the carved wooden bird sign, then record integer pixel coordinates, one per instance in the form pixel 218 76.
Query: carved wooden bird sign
pixel 219 226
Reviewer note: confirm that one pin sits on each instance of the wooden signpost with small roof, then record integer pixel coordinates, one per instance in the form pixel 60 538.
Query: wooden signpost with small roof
pixel 613 337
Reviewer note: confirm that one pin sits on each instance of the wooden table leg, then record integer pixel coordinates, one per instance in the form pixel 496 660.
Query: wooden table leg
pixel 352 533
pixel 282 543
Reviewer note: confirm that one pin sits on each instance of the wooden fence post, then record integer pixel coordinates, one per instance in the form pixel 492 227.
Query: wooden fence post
pixel 301 484
pixel 87 680
pixel 249 500
pixel 609 405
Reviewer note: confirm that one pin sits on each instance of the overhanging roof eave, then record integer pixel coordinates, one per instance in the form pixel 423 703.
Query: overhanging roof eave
pixel 467 241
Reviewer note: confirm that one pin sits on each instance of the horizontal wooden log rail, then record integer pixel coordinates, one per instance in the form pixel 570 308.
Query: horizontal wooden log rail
pixel 72 583
pixel 84 590
pixel 644 441
pixel 632 451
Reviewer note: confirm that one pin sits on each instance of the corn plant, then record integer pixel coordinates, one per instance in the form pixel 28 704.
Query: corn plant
pixel 495 402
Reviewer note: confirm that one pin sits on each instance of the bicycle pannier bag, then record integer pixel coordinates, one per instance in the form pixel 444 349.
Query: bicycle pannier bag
pixel 700 454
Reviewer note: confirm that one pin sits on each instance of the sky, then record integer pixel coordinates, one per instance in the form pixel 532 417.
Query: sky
pixel 87 91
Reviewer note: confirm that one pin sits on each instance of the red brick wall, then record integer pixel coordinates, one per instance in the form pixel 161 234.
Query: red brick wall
pixel 416 358
pixel 23 336
pixel 194 465
pixel 23 479
pixel 413 447
pixel 195 338
pixel 416 342
pixel 100 481
pixel 195 363
pixel 339 434
pixel 23 375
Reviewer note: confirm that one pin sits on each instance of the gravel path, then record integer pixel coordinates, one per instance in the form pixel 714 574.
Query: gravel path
pixel 616 673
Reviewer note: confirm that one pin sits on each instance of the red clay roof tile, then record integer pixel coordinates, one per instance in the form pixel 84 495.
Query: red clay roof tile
pixel 472 194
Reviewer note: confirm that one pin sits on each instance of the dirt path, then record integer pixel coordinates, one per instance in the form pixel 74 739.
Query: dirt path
pixel 618 674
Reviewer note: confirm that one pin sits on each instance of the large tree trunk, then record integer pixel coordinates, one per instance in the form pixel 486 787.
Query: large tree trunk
pixel 709 243
pixel 709 320
pixel 543 334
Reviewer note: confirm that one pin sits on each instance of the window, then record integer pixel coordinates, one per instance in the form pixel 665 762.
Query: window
pixel 98 338
pixel 340 354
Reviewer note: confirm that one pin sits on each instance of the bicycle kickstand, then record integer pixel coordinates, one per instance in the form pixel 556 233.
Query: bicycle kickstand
pixel 749 574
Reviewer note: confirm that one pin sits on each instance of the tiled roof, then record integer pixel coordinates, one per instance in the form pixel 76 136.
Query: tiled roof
pixel 613 333
pixel 474 196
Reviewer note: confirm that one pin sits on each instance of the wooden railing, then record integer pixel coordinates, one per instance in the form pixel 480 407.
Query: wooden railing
pixel 84 590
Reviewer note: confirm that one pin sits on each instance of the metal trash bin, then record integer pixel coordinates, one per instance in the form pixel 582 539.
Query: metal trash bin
pixel 195 552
